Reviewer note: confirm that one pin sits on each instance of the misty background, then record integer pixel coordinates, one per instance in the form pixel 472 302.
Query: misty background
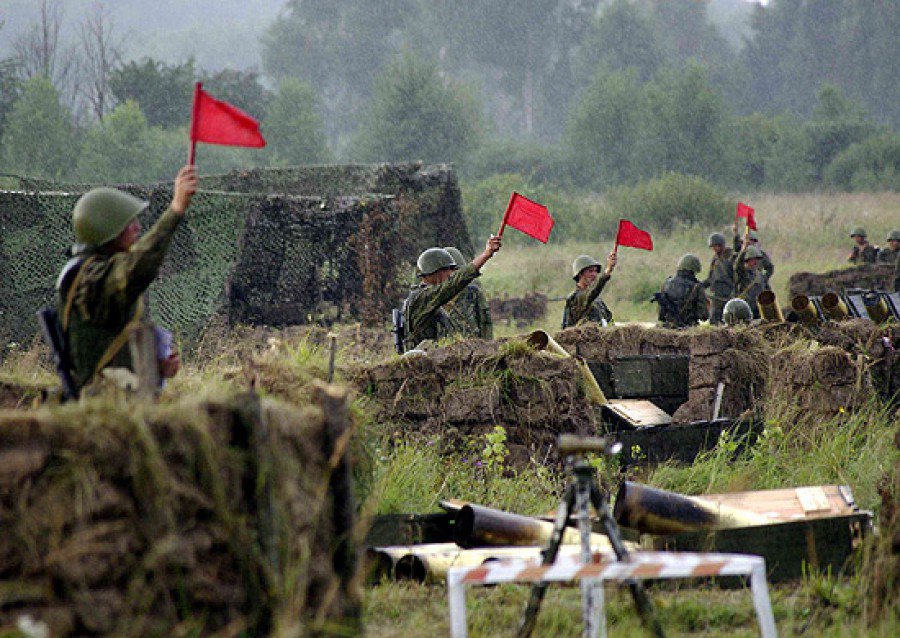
pixel 546 96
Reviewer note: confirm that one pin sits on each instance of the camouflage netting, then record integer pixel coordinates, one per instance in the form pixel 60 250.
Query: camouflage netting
pixel 224 518
pixel 865 276
pixel 268 246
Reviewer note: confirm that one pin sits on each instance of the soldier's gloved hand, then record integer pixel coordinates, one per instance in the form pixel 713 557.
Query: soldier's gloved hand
pixel 611 260
pixel 185 187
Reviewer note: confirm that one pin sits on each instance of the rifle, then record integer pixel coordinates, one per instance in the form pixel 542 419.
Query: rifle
pixel 399 330
pixel 668 311
pixel 53 333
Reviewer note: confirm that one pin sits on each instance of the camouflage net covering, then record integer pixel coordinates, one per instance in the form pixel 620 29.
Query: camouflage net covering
pixel 865 276
pixel 265 247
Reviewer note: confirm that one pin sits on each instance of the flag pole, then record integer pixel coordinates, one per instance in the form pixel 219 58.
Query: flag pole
pixel 512 198
pixel 192 132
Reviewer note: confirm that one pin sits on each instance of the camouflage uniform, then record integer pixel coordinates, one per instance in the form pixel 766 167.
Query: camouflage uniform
pixel 470 309
pixel 424 310
pixel 766 263
pixel 888 256
pixel 748 283
pixel 721 284
pixel 584 304
pixel 685 294
pixel 866 254
pixel 107 294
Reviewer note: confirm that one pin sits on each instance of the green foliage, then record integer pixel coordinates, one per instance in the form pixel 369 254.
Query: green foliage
pixel 672 200
pixel 866 166
pixel 241 88
pixel 414 115
pixel 164 92
pixel 770 153
pixel 10 89
pixel 539 163
pixel 120 149
pixel 494 454
pixel 293 125
pixel 39 139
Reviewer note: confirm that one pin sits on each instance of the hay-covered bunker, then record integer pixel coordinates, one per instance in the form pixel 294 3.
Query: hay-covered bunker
pixel 266 246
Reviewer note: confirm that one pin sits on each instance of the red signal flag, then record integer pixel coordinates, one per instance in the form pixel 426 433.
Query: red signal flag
pixel 216 122
pixel 747 213
pixel 632 236
pixel 531 218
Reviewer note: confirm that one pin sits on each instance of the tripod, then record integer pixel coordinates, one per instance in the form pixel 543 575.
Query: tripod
pixel 581 492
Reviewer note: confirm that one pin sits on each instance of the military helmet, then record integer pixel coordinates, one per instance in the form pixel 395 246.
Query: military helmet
pixel 737 311
pixel 690 262
pixel 752 252
pixel 102 213
pixel 457 255
pixel 581 262
pixel 894 235
pixel 716 239
pixel 752 235
pixel 433 260
pixel 859 230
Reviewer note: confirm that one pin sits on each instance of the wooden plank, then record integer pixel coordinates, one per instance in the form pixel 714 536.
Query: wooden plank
pixel 786 504
pixel 639 413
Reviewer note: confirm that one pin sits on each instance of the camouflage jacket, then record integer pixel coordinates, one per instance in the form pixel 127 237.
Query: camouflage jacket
pixel 107 295
pixel 721 276
pixel 584 304
pixel 868 254
pixel 897 276
pixel 470 309
pixel 424 312
pixel 888 256
pixel 766 263
pixel 748 283
pixel 685 303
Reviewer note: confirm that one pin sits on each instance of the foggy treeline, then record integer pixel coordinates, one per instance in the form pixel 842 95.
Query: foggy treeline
pixel 582 94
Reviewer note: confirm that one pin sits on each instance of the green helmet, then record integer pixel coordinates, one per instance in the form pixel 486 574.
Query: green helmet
pixel 433 260
pixel 752 252
pixel 859 230
pixel 894 235
pixel 457 255
pixel 102 213
pixel 716 239
pixel 581 262
pixel 737 311
pixel 690 262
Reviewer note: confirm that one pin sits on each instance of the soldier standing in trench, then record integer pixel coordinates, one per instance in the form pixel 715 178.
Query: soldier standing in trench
pixel 584 304
pixel 682 300
pixel 470 307
pixel 749 276
pixel 889 254
pixel 765 262
pixel 863 252
pixel 721 277
pixel 441 281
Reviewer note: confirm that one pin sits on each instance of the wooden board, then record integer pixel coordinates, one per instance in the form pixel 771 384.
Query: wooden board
pixel 791 504
pixel 638 412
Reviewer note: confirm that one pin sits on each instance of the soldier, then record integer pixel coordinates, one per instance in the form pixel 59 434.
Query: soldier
pixel 749 277
pixel 470 306
pixel 737 311
pixel 584 304
pixel 767 265
pixel 721 277
pixel 682 300
pixel 100 289
pixel 441 281
pixel 888 255
pixel 863 252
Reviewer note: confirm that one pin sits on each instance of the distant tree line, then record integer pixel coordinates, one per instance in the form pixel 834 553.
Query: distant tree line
pixel 584 94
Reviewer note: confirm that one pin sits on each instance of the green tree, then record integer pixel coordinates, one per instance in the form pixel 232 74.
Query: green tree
pixel 39 139
pixel 415 116
pixel 121 148
pixel 10 89
pixel 293 125
pixel 163 92
pixel 769 152
pixel 241 88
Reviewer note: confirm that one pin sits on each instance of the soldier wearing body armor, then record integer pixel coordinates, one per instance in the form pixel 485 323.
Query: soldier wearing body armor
pixel 863 252
pixel 720 281
pixel 749 277
pixel 682 300
pixel 890 253
pixel 424 313
pixel 470 307
pixel 737 311
pixel 100 289
pixel 585 304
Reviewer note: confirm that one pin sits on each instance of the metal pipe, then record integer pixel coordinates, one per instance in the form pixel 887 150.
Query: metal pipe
pixel 833 307
pixel 540 340
pixel 653 511
pixel 768 307
pixel 479 526
pixel 805 310
pixel 875 306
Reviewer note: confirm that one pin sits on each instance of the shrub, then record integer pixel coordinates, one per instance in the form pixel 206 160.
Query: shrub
pixel 873 164
pixel 539 163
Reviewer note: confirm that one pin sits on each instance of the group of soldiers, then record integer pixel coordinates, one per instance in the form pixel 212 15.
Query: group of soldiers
pixel 865 253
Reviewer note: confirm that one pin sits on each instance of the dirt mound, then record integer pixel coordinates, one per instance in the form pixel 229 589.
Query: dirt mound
pixel 519 310
pixel 866 276
pixel 132 520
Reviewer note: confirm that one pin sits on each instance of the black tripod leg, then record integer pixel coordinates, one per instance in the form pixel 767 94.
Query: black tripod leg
pixel 641 600
pixel 529 618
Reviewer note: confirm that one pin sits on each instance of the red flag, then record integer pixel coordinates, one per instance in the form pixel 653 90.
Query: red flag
pixel 747 213
pixel 217 122
pixel 631 235
pixel 531 218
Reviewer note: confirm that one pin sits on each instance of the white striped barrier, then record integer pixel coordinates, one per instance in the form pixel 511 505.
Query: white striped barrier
pixel 640 566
